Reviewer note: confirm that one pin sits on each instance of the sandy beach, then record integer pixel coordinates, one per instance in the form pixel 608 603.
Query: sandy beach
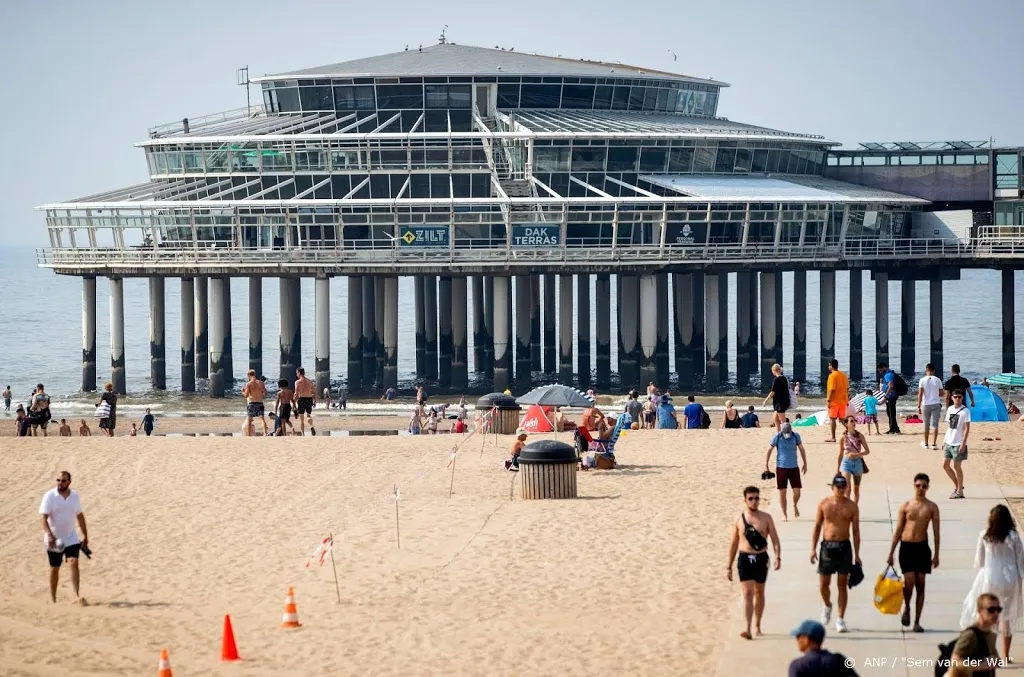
pixel 626 579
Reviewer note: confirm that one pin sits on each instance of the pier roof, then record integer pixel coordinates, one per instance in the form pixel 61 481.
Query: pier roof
pixel 464 60
pixel 791 188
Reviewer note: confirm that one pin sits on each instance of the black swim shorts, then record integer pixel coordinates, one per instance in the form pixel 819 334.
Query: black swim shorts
pixel 304 406
pixel 254 409
pixel 916 557
pixel 70 552
pixel 835 557
pixel 752 567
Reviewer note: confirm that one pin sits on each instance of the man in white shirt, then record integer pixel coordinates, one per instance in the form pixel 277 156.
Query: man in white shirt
pixel 929 404
pixel 958 420
pixel 60 509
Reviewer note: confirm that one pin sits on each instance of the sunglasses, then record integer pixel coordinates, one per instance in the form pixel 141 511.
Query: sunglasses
pixel 994 609
pixel 958 397
pixel 753 498
pixel 61 481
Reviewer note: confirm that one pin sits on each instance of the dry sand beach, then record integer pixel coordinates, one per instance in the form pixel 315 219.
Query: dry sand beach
pixel 627 579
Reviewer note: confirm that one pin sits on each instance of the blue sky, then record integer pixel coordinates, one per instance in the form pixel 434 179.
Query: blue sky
pixel 84 81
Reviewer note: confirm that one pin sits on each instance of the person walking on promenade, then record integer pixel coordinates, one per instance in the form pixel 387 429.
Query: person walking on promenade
pixel 957 382
pixel 1000 561
pixel 958 427
pixel 60 509
pixel 305 400
pixel 850 463
pixel 254 391
pixel 929 404
pixel 754 527
pixel 836 520
pixel 837 396
pixel 888 388
pixel 787 472
pixel 916 559
pixel 109 422
pixel 976 645
pixel 779 396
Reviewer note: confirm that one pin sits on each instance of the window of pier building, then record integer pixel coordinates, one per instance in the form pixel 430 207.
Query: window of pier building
pixel 859 158
pixel 455 93
pixel 1009 213
pixel 1008 170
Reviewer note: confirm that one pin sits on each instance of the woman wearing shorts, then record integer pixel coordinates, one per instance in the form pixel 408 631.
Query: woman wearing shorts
pixel 779 397
pixel 850 463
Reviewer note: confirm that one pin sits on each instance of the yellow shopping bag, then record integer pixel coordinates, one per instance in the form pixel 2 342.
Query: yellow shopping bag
pixel 889 592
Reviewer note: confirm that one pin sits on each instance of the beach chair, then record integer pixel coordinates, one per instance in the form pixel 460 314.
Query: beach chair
pixel 600 446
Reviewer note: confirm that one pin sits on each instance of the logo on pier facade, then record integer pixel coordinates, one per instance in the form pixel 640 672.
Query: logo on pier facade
pixel 424 236
pixel 536 236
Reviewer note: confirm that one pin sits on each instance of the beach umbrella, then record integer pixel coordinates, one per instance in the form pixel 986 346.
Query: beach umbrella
pixel 1009 380
pixel 555 396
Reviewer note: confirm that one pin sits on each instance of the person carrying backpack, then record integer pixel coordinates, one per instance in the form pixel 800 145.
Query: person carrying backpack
pixel 893 387
pixel 815 660
pixel 976 643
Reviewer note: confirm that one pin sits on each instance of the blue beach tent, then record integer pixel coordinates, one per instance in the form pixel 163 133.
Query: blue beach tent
pixel 988 406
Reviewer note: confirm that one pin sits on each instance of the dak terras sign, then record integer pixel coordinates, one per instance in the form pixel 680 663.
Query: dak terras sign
pixel 536 236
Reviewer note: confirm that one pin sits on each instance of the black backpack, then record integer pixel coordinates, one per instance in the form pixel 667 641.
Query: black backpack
pixel 899 384
pixel 705 419
pixel 942 664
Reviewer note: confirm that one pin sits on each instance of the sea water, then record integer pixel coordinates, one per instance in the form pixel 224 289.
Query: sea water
pixel 40 336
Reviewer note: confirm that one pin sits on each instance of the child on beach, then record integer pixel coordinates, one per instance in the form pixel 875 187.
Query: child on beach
pixel 134 432
pixel 283 407
pixel 414 422
pixel 871 411
pixel 83 430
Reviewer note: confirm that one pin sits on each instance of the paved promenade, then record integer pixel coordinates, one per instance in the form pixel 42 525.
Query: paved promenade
pixel 875 641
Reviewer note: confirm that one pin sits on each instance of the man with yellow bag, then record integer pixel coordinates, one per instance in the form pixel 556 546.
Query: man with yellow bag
pixel 916 558
pixel 836 517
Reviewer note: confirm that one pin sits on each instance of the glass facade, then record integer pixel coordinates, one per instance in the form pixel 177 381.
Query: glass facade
pixel 454 93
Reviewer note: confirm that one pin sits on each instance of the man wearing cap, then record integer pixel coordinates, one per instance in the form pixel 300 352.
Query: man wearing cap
pixel 836 517
pixel 816 661
pixel 787 472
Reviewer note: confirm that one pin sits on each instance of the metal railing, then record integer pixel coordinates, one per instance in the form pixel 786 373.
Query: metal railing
pixel 177 128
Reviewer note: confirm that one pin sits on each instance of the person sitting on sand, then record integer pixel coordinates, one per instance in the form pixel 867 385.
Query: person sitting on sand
pixel 457 426
pixel 277 424
pixel 592 418
pixel 65 429
pixel 1012 409
pixel 750 419
pixel 83 429
pixel 731 418
pixel 415 422
pixel 517 448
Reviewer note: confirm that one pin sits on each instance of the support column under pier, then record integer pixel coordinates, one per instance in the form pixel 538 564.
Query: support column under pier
pixel 290 327
pixel 1009 353
pixel 229 358
pixel 648 329
pixel 369 358
pixel 430 324
pixel 798 372
pixel 682 293
pixel 565 307
pixel 935 317
pixel 256 325
pixel 827 319
pixel 712 327
pixel 536 364
pixel 881 318
pixel 523 327
pixel 202 329
pixel 856 324
pixel 188 345
pixel 479 329
pixel 723 327
pixel 444 332
pixel 460 338
pixel 220 319
pixel 629 330
pixel 699 367
pixel 550 351
pixel 89 334
pixel 661 350
pixel 603 291
pixel 378 328
pixel 322 333
pixel 391 332
pixel 355 332
pixel 157 335
pixel 583 329
pixel 769 347
pixel 908 326
pixel 743 336
pixel 421 336
pixel 117 375
pixel 488 333
pixel 502 334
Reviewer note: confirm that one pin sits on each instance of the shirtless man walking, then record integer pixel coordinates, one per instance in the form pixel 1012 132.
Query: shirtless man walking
pixel 750 534
pixel 836 517
pixel 305 398
pixel 916 558
pixel 253 391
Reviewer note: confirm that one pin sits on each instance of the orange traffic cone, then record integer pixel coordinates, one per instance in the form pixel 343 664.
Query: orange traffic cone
pixel 228 650
pixel 291 613
pixel 164 669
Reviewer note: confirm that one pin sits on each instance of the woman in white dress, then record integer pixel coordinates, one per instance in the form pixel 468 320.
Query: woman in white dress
pixel 1000 561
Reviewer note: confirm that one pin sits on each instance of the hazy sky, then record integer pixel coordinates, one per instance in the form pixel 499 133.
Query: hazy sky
pixel 84 80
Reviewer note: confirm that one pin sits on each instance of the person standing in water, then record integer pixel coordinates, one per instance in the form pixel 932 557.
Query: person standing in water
pixel 754 527
pixel 916 558
pixel 7 398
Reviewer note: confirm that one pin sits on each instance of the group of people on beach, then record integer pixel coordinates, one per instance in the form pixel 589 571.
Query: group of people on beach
pixel 299 398
pixel 425 420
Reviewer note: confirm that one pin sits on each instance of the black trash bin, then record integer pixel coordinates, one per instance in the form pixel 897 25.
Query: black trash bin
pixel 505 420
pixel 547 469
